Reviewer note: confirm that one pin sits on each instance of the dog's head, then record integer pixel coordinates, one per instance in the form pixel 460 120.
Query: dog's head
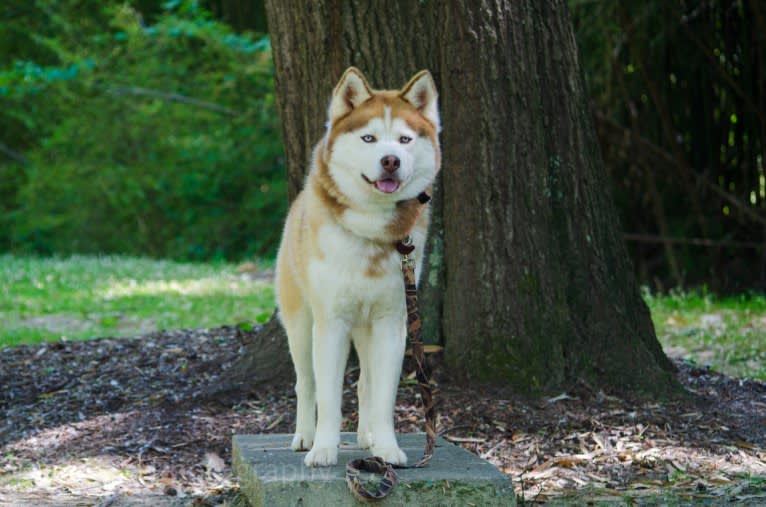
pixel 382 146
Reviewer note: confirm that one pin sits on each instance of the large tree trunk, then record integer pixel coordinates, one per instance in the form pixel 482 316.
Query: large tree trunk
pixel 542 292
pixel 538 291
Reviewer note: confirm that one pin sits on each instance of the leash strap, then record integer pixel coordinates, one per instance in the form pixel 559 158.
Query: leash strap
pixel 423 369
pixel 376 465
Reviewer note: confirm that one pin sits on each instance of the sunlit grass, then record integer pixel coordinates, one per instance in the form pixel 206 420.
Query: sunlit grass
pixel 726 333
pixel 80 297
pixel 191 287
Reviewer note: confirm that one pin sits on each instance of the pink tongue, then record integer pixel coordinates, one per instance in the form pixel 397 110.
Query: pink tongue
pixel 388 185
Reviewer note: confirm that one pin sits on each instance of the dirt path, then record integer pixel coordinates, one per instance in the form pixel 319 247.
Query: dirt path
pixel 124 422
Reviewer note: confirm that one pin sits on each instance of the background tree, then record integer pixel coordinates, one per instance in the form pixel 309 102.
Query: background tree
pixel 538 290
pixel 678 93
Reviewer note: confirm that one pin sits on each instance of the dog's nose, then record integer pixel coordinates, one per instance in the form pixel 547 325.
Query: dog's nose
pixel 390 163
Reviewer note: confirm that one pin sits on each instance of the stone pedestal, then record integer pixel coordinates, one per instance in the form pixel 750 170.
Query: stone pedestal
pixel 271 474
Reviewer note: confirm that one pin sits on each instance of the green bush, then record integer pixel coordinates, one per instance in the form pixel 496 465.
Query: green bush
pixel 156 139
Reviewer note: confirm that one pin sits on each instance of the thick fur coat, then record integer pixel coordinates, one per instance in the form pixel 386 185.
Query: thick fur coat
pixel 338 275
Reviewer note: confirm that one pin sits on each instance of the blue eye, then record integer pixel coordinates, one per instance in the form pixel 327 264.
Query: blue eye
pixel 368 138
pixel 405 139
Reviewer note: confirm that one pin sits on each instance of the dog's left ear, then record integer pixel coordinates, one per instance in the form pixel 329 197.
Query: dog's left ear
pixel 421 92
pixel 351 91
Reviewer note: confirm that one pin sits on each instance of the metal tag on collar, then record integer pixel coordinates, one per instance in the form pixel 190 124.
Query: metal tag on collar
pixel 405 246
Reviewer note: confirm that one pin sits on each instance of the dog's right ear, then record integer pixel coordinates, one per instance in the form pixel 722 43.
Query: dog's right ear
pixel 351 91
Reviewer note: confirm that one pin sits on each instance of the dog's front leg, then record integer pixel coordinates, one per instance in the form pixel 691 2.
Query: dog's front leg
pixel 384 363
pixel 330 351
pixel 362 342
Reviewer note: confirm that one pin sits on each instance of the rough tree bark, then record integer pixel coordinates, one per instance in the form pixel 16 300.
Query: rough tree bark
pixel 529 283
pixel 551 297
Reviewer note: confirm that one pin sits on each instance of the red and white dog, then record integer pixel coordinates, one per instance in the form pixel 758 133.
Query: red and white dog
pixel 338 274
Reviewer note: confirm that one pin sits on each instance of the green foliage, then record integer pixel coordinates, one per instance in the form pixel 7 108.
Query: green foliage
pixel 158 139
pixel 85 297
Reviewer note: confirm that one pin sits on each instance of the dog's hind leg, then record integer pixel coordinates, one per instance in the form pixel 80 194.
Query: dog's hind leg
pixel 298 327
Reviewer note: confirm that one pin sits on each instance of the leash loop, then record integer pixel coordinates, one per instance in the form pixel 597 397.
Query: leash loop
pixel 374 465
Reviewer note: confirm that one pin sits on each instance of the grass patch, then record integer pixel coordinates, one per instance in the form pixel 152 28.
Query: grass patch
pixel 726 333
pixel 80 297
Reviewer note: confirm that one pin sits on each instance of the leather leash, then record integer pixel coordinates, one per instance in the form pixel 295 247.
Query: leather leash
pixel 376 465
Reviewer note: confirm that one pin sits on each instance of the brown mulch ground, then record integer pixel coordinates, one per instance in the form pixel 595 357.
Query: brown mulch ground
pixel 115 422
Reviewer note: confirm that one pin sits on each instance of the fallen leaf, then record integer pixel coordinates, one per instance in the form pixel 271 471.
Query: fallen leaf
pixel 214 463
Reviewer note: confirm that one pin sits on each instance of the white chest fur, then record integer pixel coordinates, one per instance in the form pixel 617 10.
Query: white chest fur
pixel 353 278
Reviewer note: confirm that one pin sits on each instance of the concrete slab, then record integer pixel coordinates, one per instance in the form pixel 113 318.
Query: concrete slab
pixel 271 474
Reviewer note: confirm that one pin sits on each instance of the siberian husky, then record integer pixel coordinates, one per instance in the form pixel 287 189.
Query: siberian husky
pixel 338 273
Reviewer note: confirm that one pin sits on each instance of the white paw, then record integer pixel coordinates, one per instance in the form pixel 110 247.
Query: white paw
pixel 392 455
pixel 364 439
pixel 302 442
pixel 321 457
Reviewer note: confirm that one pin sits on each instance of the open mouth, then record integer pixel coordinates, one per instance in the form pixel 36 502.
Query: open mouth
pixel 385 185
